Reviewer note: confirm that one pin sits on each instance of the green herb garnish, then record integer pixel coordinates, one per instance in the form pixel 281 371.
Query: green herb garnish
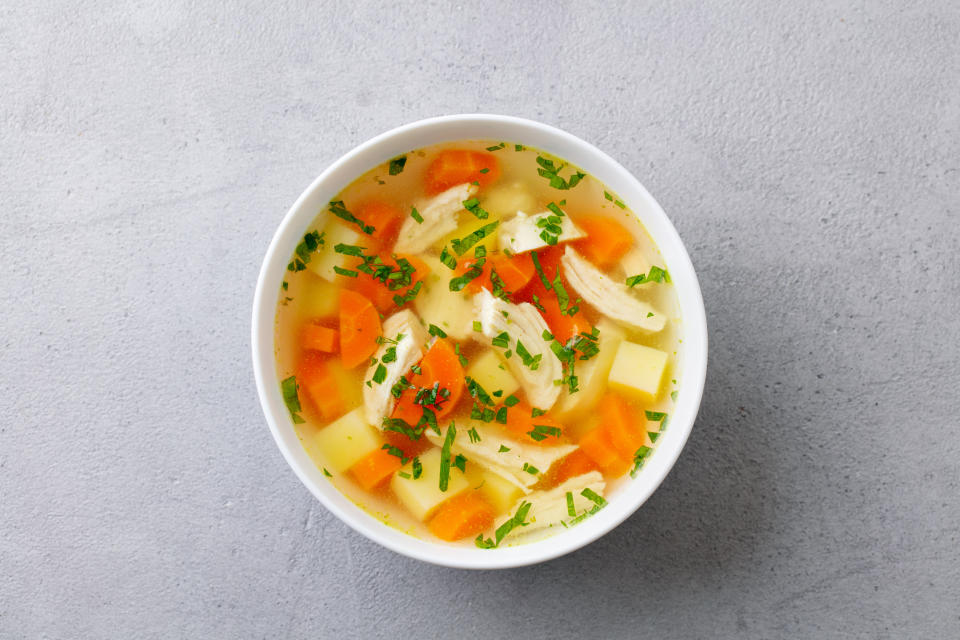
pixel 397 164
pixel 551 172
pixel 416 215
pixel 656 275
pixel 571 509
pixel 541 432
pixel 462 245
pixel 529 468
pixel 518 520
pixel 434 330
pixel 338 209
pixel 288 388
pixel 395 452
pixel 532 362
pixel 473 206
pixel 445 457
pixel 503 449
pixel 417 468
pixel 474 435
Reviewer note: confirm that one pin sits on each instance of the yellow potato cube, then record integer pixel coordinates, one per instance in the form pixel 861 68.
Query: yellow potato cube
pixel 344 441
pixel 316 297
pixel 452 311
pixel 490 372
pixel 638 370
pixel 468 227
pixel 501 493
pixel 422 496
pixel 324 259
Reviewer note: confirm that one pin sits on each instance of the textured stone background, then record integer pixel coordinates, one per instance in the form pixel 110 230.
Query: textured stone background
pixel 808 154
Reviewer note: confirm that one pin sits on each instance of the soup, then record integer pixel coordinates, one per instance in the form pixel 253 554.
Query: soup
pixel 477 343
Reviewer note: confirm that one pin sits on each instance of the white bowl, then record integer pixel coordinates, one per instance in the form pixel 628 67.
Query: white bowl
pixel 693 352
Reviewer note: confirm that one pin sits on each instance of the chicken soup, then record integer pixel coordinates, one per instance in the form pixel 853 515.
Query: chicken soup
pixel 477 343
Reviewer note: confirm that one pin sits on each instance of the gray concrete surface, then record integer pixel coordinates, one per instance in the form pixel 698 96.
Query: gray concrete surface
pixel 808 154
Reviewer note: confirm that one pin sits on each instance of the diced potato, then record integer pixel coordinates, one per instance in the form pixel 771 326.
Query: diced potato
pixel 638 370
pixel 325 258
pixel 490 372
pixel 317 298
pixel 499 492
pixel 592 373
pixel 471 224
pixel 422 496
pixel 347 387
pixel 506 199
pixel 344 441
pixel 452 311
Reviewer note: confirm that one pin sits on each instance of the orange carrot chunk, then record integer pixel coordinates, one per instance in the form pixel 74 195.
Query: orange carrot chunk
pixel 626 436
pixel 462 517
pixel 378 291
pixel 575 464
pixel 607 240
pixel 319 385
pixel 316 337
pixel 542 430
pixel 456 166
pixel 441 366
pixel 359 328
pixel 598 448
pixel 374 469
pixel 515 271
pixel 383 217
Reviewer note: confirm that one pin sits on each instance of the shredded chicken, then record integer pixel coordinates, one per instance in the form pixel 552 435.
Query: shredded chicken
pixel 507 464
pixel 549 508
pixel 522 233
pixel 439 218
pixel 377 399
pixel 523 325
pixel 612 299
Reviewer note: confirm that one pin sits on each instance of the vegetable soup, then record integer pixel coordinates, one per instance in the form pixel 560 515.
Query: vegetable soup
pixel 477 343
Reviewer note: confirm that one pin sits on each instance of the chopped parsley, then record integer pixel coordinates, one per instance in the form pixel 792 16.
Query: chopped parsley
pixel 417 468
pixel 551 172
pixel 349 273
pixel 462 358
pixel 402 426
pixel 397 164
pixel 327 473
pixel 503 449
pixel 497 147
pixel 477 326
pixel 462 245
pixel 460 462
pixel 395 452
pixel 501 416
pixel 543 277
pixel 473 206
pixel 445 457
pixel 532 362
pixel 529 468
pixel 541 432
pixel 655 416
pixel 502 340
pixel 571 509
pixel 656 275
pixel 288 388
pixel 311 241
pixel 448 260
pixel 511 400
pixel 518 147
pixel 434 330
pixel 380 374
pixel 518 520
pixel 416 215
pixel 338 209
pixel 639 457
pixel 474 435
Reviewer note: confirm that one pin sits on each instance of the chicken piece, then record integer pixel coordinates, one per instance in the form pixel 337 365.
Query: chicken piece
pixel 524 328
pixel 523 465
pixel 549 508
pixel 439 218
pixel 522 233
pixel 377 400
pixel 612 299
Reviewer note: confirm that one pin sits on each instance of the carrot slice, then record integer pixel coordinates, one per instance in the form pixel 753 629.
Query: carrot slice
pixel 374 469
pixel 575 464
pixel 596 444
pixel 359 328
pixel 409 447
pixel 563 326
pixel 441 366
pixel 316 337
pixel 515 271
pixel 621 425
pixel 378 292
pixel 522 424
pixel 385 219
pixel 456 166
pixel 461 517
pixel 319 385
pixel 607 240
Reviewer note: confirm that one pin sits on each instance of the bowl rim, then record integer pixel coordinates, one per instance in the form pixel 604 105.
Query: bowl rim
pixel 692 357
